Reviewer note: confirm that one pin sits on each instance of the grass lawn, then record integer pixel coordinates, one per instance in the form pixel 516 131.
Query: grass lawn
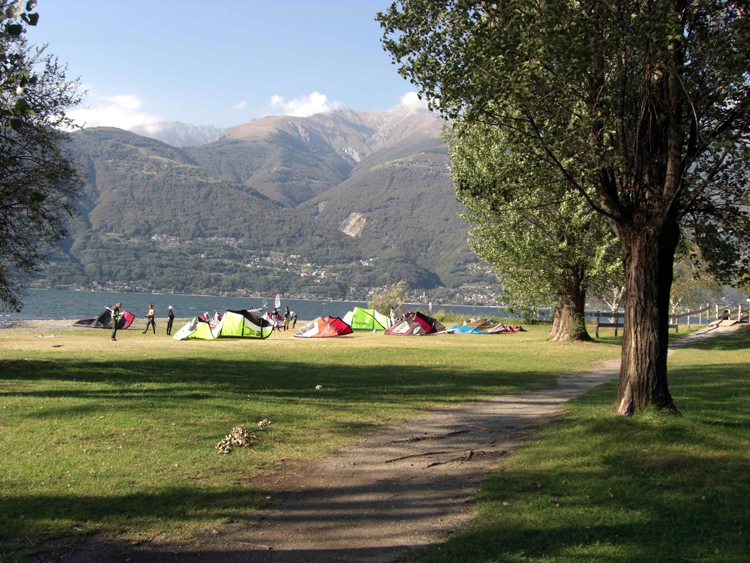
pixel 595 487
pixel 117 438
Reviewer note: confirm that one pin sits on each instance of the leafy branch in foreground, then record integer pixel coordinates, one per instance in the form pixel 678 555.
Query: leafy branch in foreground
pixel 39 182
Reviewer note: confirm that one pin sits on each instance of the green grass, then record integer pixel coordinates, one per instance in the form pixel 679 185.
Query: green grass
pixel 118 438
pixel 654 487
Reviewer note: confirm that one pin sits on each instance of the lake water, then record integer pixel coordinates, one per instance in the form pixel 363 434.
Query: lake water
pixel 62 304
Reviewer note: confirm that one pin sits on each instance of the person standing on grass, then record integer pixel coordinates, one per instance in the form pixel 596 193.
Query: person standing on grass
pixel 150 317
pixel 286 318
pixel 115 317
pixel 170 320
pixel 294 319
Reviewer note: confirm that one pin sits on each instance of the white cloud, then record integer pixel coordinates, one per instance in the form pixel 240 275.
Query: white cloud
pixel 241 105
pixel 123 111
pixel 304 106
pixel 411 101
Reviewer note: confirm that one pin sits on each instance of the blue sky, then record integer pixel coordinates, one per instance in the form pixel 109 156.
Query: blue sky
pixel 220 63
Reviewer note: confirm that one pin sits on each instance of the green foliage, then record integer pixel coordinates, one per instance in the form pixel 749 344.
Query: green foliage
pixel 391 298
pixel 642 107
pixel 38 181
pixel 528 226
pixel 693 284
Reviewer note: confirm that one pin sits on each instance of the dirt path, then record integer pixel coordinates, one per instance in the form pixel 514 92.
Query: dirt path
pixel 400 488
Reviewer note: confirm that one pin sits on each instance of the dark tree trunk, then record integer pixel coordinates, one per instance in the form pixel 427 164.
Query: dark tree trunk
pixel 649 258
pixel 570 315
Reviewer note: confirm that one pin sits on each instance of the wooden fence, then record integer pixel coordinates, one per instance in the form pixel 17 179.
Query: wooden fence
pixel 722 313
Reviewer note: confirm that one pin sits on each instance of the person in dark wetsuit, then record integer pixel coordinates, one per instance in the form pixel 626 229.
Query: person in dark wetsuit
pixel 286 319
pixel 170 320
pixel 150 316
pixel 115 317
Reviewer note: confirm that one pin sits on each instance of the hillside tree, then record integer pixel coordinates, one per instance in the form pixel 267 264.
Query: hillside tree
pixel 394 296
pixel 642 106
pixel 39 182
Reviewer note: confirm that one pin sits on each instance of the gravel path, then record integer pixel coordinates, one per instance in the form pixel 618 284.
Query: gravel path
pixel 401 488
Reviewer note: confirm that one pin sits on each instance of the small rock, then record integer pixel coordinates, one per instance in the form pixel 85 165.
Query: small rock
pixel 214 532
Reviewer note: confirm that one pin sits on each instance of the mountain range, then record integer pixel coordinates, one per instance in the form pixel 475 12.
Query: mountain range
pixel 336 204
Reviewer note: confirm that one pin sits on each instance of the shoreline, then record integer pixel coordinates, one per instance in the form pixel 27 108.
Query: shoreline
pixel 59 325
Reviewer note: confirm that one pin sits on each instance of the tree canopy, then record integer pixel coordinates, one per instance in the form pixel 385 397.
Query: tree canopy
pixel 542 240
pixel 38 180
pixel 642 106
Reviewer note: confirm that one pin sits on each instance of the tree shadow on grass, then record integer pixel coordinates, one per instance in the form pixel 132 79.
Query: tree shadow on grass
pixel 155 380
pixel 640 502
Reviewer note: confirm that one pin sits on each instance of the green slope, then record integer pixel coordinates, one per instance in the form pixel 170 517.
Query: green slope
pixel 152 218
pixel 407 204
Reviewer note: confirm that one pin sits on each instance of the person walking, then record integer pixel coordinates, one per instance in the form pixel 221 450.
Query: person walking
pixel 170 320
pixel 286 318
pixel 150 317
pixel 115 317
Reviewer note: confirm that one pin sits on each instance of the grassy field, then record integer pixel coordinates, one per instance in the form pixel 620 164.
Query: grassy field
pixel 117 438
pixel 595 487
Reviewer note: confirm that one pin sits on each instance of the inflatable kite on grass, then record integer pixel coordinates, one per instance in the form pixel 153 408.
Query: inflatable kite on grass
pixel 324 327
pixel 416 324
pixel 233 324
pixel 104 320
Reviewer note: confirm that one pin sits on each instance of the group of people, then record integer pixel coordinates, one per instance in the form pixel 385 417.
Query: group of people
pixel 289 316
pixel 150 319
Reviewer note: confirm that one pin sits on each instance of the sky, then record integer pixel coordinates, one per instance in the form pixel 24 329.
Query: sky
pixel 220 63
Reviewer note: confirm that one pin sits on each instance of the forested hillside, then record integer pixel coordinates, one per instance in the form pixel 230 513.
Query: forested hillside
pixel 336 205
pixel 406 204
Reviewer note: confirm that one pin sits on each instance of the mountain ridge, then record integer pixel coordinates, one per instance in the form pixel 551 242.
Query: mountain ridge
pixel 336 205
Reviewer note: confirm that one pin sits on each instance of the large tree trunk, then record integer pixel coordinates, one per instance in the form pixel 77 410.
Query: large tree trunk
pixel 649 258
pixel 570 315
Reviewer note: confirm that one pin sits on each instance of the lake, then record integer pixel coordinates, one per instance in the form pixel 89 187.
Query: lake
pixel 62 304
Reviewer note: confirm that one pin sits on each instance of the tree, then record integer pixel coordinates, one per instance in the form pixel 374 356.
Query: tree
pixel 641 105
pixel 693 284
pixel 393 297
pixel 39 182
pixel 541 240
pixel 611 290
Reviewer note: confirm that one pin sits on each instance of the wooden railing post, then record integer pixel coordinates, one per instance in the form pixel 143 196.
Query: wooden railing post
pixel 597 325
